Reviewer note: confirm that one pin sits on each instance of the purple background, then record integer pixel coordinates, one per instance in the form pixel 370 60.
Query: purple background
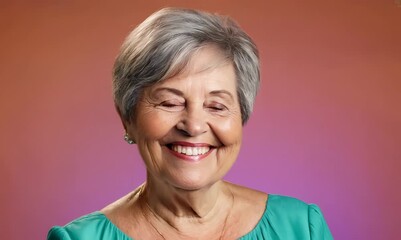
pixel 326 127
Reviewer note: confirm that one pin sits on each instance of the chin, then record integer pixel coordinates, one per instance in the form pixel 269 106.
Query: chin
pixel 192 182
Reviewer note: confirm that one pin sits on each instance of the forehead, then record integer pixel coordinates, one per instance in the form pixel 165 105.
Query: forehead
pixel 207 65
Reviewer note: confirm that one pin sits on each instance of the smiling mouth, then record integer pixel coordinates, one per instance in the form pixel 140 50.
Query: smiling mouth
pixel 184 149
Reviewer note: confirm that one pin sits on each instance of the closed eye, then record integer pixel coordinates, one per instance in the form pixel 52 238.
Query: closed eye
pixel 171 105
pixel 217 107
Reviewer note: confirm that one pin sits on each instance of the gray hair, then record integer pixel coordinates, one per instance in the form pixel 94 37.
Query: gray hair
pixel 161 46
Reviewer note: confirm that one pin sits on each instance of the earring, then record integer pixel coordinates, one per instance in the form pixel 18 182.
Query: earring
pixel 127 139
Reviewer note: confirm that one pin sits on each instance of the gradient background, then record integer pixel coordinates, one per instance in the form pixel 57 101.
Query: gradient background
pixel 326 126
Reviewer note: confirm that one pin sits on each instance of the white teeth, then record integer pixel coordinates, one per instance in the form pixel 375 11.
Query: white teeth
pixel 190 151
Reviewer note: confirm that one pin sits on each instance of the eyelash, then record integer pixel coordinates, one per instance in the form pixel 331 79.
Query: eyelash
pixel 217 107
pixel 214 107
pixel 168 104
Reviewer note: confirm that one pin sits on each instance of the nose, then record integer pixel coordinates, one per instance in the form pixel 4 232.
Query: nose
pixel 193 122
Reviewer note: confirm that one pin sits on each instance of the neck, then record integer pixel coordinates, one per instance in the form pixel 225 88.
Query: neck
pixel 186 211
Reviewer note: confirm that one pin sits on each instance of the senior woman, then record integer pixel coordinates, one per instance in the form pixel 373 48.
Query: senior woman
pixel 184 85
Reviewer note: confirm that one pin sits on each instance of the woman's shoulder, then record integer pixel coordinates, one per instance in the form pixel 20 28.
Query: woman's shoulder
pixel 286 204
pixel 104 224
pixel 290 218
pixel 83 226
pixel 91 226
pixel 249 206
pixel 272 216
pixel 293 208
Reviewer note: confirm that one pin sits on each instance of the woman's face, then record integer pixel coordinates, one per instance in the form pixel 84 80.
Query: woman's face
pixel 188 128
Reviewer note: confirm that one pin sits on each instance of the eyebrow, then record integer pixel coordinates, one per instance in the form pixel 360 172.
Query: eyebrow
pixel 172 90
pixel 222 92
pixel 181 94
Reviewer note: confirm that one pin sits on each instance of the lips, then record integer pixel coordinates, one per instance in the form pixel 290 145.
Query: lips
pixel 190 151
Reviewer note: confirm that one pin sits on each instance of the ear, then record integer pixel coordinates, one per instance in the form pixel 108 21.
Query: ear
pixel 129 126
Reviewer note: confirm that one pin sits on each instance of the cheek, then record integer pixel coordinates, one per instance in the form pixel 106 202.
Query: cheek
pixel 229 132
pixel 153 125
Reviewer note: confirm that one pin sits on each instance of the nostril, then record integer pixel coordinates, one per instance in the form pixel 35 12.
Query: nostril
pixel 184 132
pixel 182 128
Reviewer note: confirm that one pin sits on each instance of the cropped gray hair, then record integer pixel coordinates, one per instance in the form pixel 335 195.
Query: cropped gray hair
pixel 162 45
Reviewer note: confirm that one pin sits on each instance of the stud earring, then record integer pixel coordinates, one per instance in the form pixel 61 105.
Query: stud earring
pixel 127 139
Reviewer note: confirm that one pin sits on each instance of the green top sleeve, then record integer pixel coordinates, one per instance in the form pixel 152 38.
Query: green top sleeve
pixel 58 233
pixel 317 225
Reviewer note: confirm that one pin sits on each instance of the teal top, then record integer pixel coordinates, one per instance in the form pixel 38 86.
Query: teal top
pixel 284 218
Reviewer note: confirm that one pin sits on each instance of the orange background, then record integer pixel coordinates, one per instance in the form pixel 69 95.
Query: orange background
pixel 326 127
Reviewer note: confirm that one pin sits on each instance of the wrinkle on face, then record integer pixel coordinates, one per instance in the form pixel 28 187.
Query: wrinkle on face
pixel 208 82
